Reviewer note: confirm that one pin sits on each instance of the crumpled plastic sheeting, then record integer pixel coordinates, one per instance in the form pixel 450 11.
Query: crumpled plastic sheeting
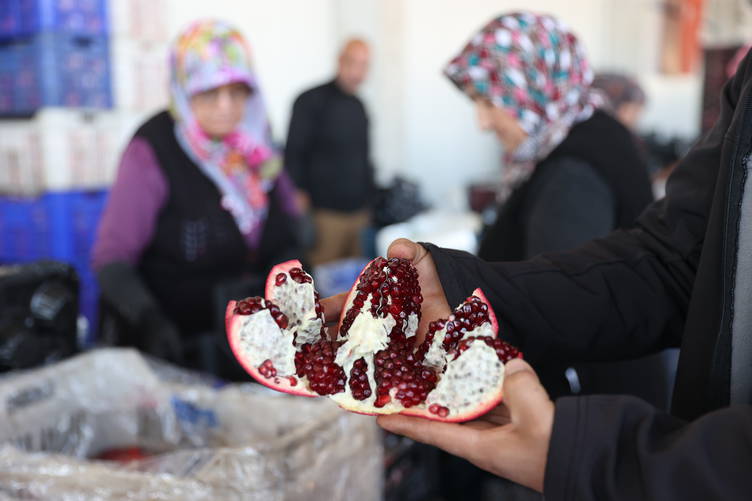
pixel 237 443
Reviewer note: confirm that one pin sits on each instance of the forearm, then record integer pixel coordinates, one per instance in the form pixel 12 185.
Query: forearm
pixel 610 299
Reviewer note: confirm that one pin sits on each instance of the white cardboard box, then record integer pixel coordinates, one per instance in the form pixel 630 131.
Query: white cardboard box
pixel 63 149
pixel 140 72
pixel 144 20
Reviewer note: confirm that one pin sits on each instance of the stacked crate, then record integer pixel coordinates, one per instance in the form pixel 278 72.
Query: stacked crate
pixel 139 55
pixel 76 79
pixel 54 53
pixel 55 99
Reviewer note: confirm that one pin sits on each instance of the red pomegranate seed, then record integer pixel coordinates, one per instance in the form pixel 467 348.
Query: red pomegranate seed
pixel 300 276
pixel 267 369
pixel 280 279
pixel 316 362
pixel 504 350
pixel 359 385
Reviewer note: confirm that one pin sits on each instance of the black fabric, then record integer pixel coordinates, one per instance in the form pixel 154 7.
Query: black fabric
pixel 666 282
pixel 568 205
pixel 131 315
pixel 609 149
pixel 631 452
pixel 197 243
pixel 327 152
pixel 38 314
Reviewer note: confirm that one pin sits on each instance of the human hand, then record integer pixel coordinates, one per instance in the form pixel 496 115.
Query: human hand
pixel 510 441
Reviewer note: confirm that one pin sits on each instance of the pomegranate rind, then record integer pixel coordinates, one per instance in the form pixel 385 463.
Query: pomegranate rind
pixel 491 315
pixel 280 268
pixel 233 324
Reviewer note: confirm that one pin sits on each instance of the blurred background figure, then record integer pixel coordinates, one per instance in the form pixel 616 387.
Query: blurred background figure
pixel 624 96
pixel 328 156
pixel 200 209
pixel 571 171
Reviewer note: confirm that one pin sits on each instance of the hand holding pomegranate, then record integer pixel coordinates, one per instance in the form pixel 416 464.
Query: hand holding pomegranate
pixel 375 361
pixel 511 441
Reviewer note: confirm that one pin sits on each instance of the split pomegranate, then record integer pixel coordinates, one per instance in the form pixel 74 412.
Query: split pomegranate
pixel 374 366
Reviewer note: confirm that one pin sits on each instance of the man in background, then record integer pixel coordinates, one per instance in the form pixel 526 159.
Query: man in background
pixel 328 157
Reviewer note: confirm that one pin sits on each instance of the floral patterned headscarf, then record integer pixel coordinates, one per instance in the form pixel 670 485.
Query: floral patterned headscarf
pixel 243 164
pixel 533 66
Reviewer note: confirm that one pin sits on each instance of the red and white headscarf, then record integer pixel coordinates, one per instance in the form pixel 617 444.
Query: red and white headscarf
pixel 536 68
pixel 243 165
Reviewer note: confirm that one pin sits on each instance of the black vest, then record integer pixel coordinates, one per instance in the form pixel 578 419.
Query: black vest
pixel 197 244
pixel 611 150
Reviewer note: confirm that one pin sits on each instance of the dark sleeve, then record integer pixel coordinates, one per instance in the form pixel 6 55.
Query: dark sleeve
pixel 568 206
pixel 299 139
pixel 610 448
pixel 133 205
pixel 618 297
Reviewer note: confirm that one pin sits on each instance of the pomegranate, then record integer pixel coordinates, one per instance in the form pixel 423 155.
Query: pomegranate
pixel 374 366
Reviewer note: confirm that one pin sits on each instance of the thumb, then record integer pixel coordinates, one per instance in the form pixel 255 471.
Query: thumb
pixel 524 395
pixel 406 249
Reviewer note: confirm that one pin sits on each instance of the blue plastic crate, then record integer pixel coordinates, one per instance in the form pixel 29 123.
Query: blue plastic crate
pixel 337 276
pixel 60 226
pixel 28 17
pixel 55 69
pixel 10 21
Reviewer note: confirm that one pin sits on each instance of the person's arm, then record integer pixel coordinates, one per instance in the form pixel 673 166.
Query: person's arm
pixel 138 194
pixel 613 448
pixel 125 231
pixel 299 139
pixel 569 205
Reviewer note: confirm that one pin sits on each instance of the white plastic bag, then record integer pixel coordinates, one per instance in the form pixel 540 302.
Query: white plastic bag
pixel 240 442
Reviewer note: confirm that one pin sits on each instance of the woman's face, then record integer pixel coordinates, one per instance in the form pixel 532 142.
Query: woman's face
pixel 220 110
pixel 499 120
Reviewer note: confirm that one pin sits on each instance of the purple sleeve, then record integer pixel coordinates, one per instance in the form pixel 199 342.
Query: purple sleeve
pixel 286 193
pixel 138 194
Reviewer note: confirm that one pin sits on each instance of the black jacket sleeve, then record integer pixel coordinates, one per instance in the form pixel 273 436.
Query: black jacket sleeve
pixel 620 448
pixel 299 137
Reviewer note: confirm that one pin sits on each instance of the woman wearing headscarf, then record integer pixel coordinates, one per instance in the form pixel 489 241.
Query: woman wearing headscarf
pixel 571 171
pixel 200 200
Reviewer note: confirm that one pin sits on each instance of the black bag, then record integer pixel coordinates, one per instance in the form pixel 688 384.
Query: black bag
pixel 397 203
pixel 38 314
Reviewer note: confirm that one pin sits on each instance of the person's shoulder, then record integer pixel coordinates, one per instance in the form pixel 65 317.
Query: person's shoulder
pixel 603 121
pixel 569 171
pixel 315 92
pixel 156 124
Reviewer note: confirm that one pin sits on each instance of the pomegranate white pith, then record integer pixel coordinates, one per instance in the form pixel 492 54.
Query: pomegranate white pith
pixel 374 366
